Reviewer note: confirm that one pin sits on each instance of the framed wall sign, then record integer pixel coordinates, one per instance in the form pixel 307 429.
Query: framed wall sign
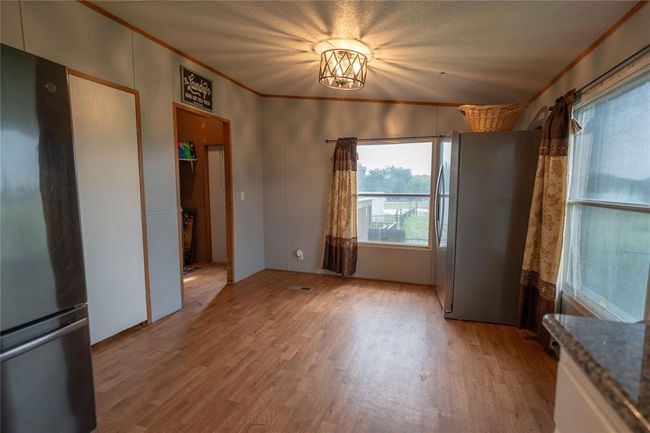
pixel 196 90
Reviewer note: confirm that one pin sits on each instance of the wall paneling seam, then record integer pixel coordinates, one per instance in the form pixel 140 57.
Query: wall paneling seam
pixel 22 26
pixel 133 58
pixel 285 147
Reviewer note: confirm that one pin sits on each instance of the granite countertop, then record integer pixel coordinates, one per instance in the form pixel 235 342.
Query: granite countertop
pixel 615 356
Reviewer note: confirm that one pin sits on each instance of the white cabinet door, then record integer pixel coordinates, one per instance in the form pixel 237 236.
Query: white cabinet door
pixel 108 179
pixel 579 406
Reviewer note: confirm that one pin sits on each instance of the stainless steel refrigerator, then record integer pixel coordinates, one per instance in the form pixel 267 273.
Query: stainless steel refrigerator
pixel 483 196
pixel 45 362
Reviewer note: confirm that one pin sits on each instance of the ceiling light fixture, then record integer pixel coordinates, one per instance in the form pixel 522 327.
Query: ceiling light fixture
pixel 343 69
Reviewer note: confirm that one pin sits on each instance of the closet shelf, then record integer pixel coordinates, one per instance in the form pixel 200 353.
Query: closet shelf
pixel 191 161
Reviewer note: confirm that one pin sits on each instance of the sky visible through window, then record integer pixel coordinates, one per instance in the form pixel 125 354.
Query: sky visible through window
pixel 416 156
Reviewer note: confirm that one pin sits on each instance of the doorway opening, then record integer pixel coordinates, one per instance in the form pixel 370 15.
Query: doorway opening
pixel 204 196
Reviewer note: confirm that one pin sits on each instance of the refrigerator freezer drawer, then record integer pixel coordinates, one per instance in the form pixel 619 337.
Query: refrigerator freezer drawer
pixel 47 382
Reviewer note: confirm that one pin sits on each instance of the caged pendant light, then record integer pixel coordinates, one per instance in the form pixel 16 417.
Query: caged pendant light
pixel 343 69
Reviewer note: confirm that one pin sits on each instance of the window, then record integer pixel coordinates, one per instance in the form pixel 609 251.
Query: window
pixel 394 186
pixel 607 240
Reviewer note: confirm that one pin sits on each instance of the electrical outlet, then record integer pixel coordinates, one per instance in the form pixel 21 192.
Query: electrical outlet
pixel 242 195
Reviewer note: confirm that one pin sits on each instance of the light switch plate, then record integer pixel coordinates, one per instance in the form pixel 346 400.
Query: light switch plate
pixel 242 195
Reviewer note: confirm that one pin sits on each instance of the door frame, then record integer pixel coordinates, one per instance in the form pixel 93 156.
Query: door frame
pixel 227 146
pixel 143 216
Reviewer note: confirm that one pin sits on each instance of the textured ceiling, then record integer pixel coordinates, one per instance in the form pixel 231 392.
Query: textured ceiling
pixel 491 52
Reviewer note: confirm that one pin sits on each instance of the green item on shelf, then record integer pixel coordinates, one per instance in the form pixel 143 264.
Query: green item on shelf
pixel 186 150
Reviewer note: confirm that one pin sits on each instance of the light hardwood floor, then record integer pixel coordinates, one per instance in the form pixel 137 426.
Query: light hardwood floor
pixel 349 356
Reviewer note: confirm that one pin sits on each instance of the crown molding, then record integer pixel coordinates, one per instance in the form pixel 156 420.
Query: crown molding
pixel 159 41
pixel 615 26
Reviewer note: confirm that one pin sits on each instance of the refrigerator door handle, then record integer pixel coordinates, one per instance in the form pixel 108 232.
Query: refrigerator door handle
pixel 437 225
pixel 43 339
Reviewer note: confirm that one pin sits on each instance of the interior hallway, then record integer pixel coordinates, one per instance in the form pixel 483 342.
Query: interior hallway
pixel 347 356
pixel 203 284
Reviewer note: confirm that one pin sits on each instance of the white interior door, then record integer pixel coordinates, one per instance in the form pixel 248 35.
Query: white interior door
pixel 108 178
pixel 217 184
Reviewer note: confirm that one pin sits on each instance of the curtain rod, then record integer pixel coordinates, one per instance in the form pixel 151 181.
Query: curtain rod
pixel 613 69
pixel 425 137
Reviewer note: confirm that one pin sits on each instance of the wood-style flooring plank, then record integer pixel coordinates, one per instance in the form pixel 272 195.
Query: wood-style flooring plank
pixel 263 356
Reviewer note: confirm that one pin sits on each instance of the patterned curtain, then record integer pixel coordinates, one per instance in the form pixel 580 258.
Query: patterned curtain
pixel 546 221
pixel 341 239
